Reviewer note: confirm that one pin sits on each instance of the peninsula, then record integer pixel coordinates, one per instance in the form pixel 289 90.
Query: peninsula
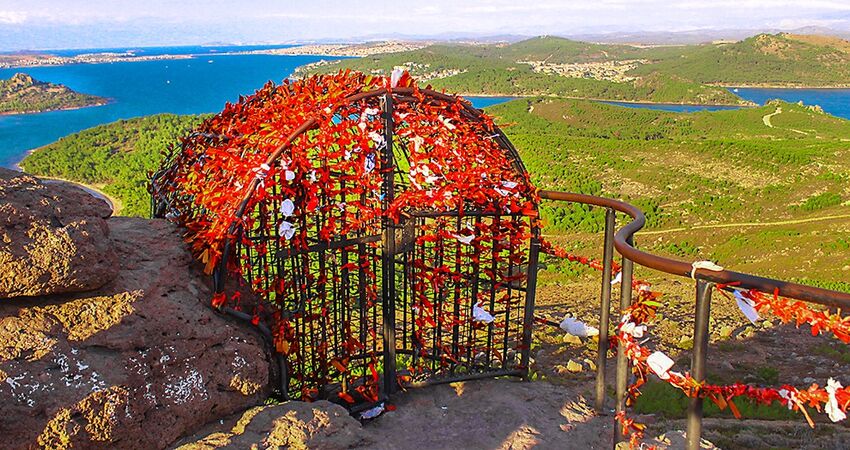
pixel 23 94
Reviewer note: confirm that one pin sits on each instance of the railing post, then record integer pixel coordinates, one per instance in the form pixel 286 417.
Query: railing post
pixel 388 250
pixel 622 361
pixel 703 310
pixel 530 294
pixel 604 309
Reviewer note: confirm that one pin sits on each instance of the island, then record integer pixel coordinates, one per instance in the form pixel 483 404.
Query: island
pixel 23 94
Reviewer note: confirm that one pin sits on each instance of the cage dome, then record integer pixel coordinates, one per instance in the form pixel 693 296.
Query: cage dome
pixel 388 234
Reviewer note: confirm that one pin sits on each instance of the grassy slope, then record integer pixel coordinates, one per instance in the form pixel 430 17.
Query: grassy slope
pixel 775 60
pixel 23 94
pixel 493 70
pixel 698 169
pixel 119 156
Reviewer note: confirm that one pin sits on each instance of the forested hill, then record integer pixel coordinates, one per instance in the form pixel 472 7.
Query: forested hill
pixel 116 157
pixel 522 69
pixel 668 74
pixel 23 94
pixel 764 60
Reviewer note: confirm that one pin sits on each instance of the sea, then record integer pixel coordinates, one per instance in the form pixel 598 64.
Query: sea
pixel 204 83
pixel 833 101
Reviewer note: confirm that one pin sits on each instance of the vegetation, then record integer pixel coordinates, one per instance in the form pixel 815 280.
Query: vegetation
pixel 119 156
pixel 23 94
pixel 661 398
pixel 495 70
pixel 763 60
pixel 673 74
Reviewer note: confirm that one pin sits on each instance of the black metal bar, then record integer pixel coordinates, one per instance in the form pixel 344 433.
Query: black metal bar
pixel 528 318
pixel 388 251
pixel 605 308
pixel 622 361
pixel 467 213
pixel 703 311
pixel 329 245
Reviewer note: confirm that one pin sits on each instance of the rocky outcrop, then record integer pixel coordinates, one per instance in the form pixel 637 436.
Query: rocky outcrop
pixel 53 239
pixel 292 425
pixel 135 364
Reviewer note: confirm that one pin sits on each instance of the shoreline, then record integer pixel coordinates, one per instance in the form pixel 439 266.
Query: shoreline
pixel 70 108
pixel 773 86
pixel 608 100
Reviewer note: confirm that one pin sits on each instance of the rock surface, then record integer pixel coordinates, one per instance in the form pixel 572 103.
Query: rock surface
pixel 483 414
pixel 136 364
pixel 52 239
pixel 291 425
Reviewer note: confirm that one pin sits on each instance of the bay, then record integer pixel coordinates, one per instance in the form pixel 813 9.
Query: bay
pixel 673 107
pixel 833 101
pixel 182 86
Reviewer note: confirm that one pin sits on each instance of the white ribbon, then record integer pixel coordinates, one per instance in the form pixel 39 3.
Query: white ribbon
pixel 707 265
pixel 395 76
pixel 789 396
pixel 481 315
pixel 372 412
pixel 464 239
pixel 578 328
pixel 747 306
pixel 832 409
pixel 617 278
pixel 287 208
pixel 369 163
pixel 635 330
pixel 286 230
pixel 660 364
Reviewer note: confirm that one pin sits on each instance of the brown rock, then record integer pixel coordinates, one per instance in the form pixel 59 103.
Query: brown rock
pixel 290 425
pixel 53 238
pixel 133 365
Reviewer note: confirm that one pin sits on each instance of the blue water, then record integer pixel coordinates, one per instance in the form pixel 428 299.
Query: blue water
pixel 673 107
pixel 833 101
pixel 151 51
pixel 187 86
pixel 485 102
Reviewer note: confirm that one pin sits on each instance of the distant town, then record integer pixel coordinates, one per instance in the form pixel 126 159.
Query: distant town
pixel 38 60
pixel 336 50
pixel 606 70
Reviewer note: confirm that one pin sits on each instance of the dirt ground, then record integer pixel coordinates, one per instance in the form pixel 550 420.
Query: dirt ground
pixel 492 414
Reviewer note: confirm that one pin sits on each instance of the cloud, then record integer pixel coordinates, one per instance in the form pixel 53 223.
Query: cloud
pixel 13 17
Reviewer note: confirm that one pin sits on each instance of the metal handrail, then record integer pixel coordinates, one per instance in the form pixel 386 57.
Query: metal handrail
pixel 681 268
pixel 705 280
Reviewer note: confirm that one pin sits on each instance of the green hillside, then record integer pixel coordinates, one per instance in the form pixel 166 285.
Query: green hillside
pixel 702 169
pixel 495 70
pixel 763 60
pixel 561 50
pixel 668 74
pixel 119 156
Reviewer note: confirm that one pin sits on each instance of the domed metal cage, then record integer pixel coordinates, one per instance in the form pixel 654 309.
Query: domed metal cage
pixel 387 234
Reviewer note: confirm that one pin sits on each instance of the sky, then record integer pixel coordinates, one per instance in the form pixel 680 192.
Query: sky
pixel 52 24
